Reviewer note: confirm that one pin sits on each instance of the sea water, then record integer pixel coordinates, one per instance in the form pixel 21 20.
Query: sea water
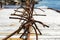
pixel 49 3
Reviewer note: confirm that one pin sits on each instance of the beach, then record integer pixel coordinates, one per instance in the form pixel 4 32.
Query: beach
pixel 52 19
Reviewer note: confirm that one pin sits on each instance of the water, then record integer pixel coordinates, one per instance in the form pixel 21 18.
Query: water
pixel 50 3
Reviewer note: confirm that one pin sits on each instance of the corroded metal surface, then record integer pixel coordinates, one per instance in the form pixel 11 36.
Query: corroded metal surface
pixel 28 21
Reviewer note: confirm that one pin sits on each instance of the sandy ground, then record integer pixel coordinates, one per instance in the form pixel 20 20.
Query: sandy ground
pixel 52 19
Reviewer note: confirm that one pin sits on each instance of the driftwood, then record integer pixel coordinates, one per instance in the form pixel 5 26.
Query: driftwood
pixel 28 21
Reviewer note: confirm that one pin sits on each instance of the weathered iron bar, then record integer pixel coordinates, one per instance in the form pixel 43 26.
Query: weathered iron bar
pixel 39 15
pixel 18 11
pixel 40 9
pixel 27 17
pixel 37 28
pixel 54 9
pixel 19 15
pixel 17 18
pixel 44 25
pixel 46 8
pixel 24 33
pixel 35 32
pixel 12 33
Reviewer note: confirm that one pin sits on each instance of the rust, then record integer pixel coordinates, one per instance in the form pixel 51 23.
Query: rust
pixel 28 21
